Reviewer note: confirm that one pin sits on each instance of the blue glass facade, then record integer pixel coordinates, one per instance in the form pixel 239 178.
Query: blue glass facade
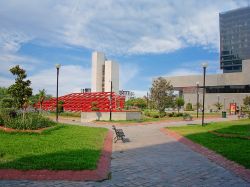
pixel 234 39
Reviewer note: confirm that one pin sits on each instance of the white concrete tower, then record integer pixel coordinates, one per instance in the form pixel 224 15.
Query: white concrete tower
pixel 111 74
pixel 98 69
pixel 103 72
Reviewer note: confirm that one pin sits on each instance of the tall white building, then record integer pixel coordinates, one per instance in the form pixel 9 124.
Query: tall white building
pixel 103 72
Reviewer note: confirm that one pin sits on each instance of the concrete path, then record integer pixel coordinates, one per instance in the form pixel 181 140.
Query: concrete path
pixel 153 159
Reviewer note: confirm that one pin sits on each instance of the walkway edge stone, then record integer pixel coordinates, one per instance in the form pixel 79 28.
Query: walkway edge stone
pixel 232 166
pixel 99 174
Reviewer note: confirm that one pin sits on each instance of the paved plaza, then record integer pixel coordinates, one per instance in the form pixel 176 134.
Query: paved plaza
pixel 151 158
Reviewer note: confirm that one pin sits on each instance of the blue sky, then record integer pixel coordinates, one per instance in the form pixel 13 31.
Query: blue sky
pixel 147 38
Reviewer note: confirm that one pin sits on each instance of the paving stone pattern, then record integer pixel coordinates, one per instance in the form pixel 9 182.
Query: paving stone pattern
pixel 153 159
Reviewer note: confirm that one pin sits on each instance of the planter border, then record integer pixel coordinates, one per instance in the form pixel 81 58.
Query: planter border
pixel 98 174
pixel 232 166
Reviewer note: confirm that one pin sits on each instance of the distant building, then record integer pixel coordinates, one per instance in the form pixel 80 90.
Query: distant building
pixel 103 72
pixel 234 83
pixel 128 94
pixel 234 39
pixel 86 90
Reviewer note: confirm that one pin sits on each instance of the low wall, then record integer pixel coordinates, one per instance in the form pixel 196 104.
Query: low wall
pixel 92 116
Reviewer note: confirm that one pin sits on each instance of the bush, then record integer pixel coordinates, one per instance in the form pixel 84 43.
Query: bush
pixel 7 113
pixel 1 120
pixel 173 114
pixel 60 106
pixel 31 121
pixel 152 113
pixel 189 107
pixel 163 114
pixel 7 103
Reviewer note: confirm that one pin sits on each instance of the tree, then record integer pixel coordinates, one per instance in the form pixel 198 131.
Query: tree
pixel 41 97
pixel 218 105
pixel 20 90
pixel 161 94
pixel 246 101
pixel 179 102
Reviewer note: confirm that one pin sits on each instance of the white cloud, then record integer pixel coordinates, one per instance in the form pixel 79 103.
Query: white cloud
pixel 114 26
pixel 181 72
pixel 72 78
pixel 128 73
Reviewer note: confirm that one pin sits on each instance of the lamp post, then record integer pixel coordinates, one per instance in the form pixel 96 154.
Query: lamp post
pixel 57 76
pixel 204 65
pixel 147 100
pixel 224 103
pixel 197 103
pixel 218 102
pixel 110 107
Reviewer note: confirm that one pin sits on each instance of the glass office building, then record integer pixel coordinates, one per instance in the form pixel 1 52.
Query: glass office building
pixel 234 39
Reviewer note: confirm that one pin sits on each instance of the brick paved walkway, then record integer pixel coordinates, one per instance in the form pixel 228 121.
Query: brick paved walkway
pixel 153 159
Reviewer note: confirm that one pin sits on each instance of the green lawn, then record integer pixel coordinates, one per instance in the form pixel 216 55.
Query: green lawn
pixel 64 147
pixel 236 149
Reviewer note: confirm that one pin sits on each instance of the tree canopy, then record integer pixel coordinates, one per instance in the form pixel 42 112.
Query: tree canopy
pixel 20 90
pixel 179 102
pixel 161 94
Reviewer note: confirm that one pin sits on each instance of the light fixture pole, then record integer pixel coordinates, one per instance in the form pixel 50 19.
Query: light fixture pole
pixel 197 103
pixel 204 65
pixel 224 103
pixel 218 102
pixel 57 77
pixel 147 100
pixel 110 107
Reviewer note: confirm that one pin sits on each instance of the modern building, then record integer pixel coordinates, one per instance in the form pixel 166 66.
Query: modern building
pixel 104 73
pixel 234 83
pixel 234 39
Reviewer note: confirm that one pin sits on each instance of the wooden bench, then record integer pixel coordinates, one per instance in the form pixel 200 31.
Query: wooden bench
pixel 119 134
pixel 187 117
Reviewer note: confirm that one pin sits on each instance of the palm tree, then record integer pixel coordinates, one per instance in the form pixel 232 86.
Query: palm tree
pixel 41 97
pixel 218 105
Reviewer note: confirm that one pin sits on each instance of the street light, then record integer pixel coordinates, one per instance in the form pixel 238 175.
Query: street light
pixel 110 107
pixel 204 65
pixel 218 101
pixel 197 103
pixel 57 76
pixel 147 100
pixel 224 103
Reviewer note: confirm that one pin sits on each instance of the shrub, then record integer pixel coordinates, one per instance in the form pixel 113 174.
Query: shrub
pixel 1 120
pixel 152 113
pixel 189 107
pixel 8 113
pixel 60 106
pixel 7 103
pixel 31 121
pixel 163 114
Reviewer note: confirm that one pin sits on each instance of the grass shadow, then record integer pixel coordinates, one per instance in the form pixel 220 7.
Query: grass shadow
pixel 62 160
